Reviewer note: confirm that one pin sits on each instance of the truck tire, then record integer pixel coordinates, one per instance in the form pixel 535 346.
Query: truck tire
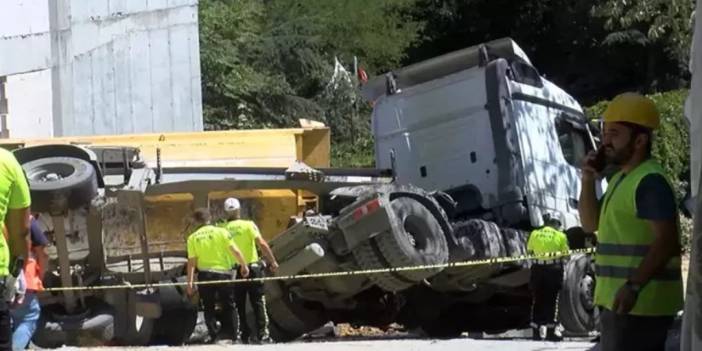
pixel 178 317
pixel 60 183
pixel 56 330
pixel 479 239
pixel 515 242
pixel 418 240
pixel 130 328
pixel 291 319
pixel 576 309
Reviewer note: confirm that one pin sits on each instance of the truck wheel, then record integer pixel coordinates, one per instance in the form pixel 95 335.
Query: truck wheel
pixel 479 239
pixel 60 183
pixel 417 240
pixel 175 326
pixel 56 330
pixel 576 308
pixel 289 319
pixel 178 317
pixel 515 244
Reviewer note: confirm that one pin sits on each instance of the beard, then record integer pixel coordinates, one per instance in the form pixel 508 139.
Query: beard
pixel 619 157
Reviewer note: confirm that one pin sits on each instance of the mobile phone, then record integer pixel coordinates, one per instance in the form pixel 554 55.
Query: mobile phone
pixel 600 162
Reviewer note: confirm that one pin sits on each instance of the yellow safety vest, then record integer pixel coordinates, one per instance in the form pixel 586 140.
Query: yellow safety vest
pixel 623 241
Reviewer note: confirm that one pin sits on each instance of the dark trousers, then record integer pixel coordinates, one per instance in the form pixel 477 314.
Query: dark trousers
pixel 624 332
pixel 254 291
pixel 545 283
pixel 210 294
pixel 5 326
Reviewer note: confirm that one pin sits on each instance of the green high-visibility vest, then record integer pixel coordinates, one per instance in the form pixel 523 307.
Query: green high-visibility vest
pixel 623 241
pixel 548 240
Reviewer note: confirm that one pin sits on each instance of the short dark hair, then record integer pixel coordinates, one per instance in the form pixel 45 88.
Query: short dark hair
pixel 201 215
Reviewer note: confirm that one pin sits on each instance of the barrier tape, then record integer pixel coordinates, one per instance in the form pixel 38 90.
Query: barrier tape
pixel 486 261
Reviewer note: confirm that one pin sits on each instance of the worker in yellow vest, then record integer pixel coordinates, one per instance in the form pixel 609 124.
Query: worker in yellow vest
pixel 210 252
pixel 246 236
pixel 14 214
pixel 546 276
pixel 639 282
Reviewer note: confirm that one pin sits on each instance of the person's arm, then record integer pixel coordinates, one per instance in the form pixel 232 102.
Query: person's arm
pixel 243 266
pixel 192 263
pixel 17 218
pixel 38 244
pixel 588 206
pixel 17 222
pixel 530 244
pixel 42 259
pixel 190 268
pixel 267 252
pixel 664 247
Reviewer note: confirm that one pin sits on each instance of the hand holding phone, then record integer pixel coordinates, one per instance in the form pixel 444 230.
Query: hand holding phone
pixel 594 163
pixel 599 162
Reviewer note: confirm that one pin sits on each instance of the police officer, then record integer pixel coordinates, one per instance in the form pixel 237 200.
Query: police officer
pixel 637 266
pixel 547 276
pixel 247 237
pixel 14 214
pixel 210 251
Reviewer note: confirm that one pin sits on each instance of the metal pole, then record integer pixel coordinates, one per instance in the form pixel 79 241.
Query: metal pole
pixel 64 262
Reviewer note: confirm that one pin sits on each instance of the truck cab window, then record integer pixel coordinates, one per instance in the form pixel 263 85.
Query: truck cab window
pixel 524 73
pixel 573 140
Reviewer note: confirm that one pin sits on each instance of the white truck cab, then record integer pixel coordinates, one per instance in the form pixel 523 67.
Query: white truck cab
pixel 484 126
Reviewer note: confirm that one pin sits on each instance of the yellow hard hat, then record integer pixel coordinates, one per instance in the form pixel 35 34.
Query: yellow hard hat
pixel 633 108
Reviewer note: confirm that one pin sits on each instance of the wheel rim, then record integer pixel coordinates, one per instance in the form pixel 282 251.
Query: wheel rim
pixel 413 229
pixel 587 287
pixel 51 173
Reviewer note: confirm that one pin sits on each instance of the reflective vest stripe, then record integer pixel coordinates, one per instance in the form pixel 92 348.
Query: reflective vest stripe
pixel 629 261
pixel 622 249
pixel 669 274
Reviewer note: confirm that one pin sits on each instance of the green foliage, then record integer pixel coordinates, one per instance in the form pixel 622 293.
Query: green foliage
pixel 266 64
pixel 671 141
pixel 657 32
pixel 360 154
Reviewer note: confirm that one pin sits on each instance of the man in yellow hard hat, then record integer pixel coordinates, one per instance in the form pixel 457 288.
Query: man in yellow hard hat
pixel 639 283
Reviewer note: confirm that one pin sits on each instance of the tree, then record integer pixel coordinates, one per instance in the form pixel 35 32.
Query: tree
pixel 659 31
pixel 268 63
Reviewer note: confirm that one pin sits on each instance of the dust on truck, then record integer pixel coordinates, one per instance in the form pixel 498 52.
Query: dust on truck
pixel 471 147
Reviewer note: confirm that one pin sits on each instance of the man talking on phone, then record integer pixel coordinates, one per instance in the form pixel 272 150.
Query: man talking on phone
pixel 639 281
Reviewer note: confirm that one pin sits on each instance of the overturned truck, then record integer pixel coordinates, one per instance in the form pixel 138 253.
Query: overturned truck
pixel 471 147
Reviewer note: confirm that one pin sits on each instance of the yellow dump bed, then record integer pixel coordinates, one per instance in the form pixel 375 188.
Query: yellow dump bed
pixel 270 209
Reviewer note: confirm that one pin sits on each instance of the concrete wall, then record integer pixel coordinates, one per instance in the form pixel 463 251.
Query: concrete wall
pixel 115 66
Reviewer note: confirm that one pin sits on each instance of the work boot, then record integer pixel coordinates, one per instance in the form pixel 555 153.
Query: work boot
pixel 553 335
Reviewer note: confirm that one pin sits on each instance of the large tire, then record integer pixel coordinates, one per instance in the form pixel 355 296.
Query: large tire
pixel 291 319
pixel 60 183
pixel 576 308
pixel 417 239
pixel 130 328
pixel 88 328
pixel 178 318
pixel 515 242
